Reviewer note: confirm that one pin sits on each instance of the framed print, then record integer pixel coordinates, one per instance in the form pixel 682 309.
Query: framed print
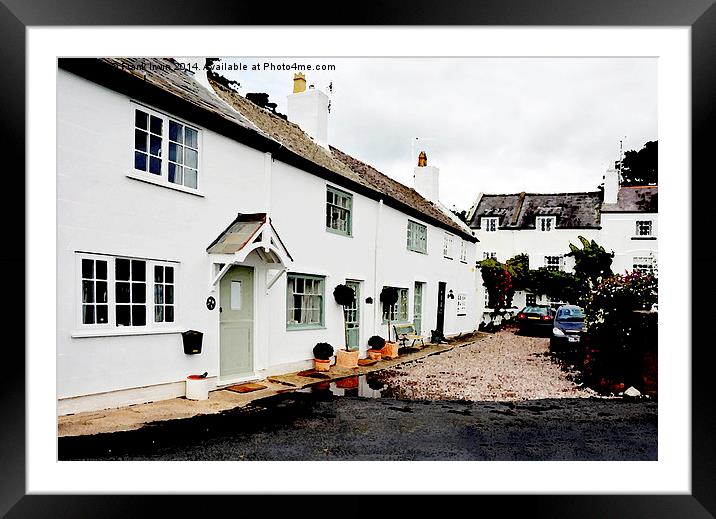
pixel 156 272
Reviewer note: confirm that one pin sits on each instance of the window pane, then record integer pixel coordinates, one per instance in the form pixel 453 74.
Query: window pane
pixel 139 315
pixel 155 145
pixel 158 273
pixel 101 291
pixel 140 119
pixel 122 292
pixel 140 161
pixel 140 140
pixel 175 174
pixel 175 153
pixel 87 314
pixel 101 269
pixel 169 294
pixel 159 294
pixel 156 125
pixel 139 293
pixel 158 314
pixel 155 166
pixel 87 268
pixel 102 314
pixel 122 314
pixel 169 274
pixel 176 132
pixel 139 272
pixel 190 178
pixel 191 158
pixel 191 138
pixel 121 269
pixel 169 314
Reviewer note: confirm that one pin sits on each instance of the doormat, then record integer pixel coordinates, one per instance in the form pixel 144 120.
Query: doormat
pixel 245 388
pixel 312 373
pixel 366 362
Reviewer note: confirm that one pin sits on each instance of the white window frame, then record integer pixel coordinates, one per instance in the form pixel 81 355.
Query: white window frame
pixel 545 223
pixel 417 237
pixel 461 304
pixel 163 178
pixel 463 251
pixel 560 263
pixel 110 327
pixel 489 223
pixel 489 255
pixel 639 223
pixel 645 264
pixel 447 245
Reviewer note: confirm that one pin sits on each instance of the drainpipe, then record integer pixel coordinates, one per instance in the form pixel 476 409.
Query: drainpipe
pixel 376 301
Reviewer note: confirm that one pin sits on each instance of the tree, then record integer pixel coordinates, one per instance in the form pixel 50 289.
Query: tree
pixel 497 279
pixel 592 262
pixel 641 168
pixel 462 215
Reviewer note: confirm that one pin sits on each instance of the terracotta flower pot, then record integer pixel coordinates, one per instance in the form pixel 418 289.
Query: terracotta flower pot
pixel 347 359
pixel 322 365
pixel 390 350
pixel 374 354
pixel 347 383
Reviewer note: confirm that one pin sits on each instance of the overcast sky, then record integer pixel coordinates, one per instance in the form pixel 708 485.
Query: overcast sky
pixel 492 125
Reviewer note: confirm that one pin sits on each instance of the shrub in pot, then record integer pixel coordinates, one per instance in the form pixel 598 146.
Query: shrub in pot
pixel 345 296
pixel 376 345
pixel 322 353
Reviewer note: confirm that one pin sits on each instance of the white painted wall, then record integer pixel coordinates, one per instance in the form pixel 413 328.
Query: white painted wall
pixel 309 110
pixel 619 235
pixel 103 210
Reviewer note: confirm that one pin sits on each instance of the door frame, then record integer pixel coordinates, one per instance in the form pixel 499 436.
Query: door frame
pixel 252 376
pixel 441 285
pixel 359 307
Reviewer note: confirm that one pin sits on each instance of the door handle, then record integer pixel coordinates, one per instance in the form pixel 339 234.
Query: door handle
pixel 221 309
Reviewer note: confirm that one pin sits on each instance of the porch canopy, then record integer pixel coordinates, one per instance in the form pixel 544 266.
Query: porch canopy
pixel 246 234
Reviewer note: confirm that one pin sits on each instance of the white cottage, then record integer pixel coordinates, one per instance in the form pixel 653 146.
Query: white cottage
pixel 182 205
pixel 542 225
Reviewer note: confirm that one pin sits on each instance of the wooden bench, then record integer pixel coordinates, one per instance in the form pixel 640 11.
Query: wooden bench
pixel 406 332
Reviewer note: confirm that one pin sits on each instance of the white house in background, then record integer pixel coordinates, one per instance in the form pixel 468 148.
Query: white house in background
pixel 184 206
pixel 622 219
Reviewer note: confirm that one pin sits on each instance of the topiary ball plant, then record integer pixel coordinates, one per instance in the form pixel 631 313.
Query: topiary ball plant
pixel 376 342
pixel 389 296
pixel 344 296
pixel 322 351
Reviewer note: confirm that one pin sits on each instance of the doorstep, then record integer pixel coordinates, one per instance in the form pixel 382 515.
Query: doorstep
pixel 137 416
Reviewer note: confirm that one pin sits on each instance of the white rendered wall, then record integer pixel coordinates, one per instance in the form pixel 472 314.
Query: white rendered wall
pixel 309 110
pixel 102 210
pixel 618 235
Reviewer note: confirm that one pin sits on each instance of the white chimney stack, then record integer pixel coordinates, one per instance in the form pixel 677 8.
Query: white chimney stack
pixel 309 110
pixel 427 179
pixel 611 186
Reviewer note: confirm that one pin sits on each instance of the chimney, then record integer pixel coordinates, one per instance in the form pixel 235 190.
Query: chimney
pixel 427 179
pixel 611 185
pixel 309 110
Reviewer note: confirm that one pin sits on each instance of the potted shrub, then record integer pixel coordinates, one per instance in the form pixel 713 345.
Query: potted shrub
pixel 345 296
pixel 389 297
pixel 322 353
pixel 376 345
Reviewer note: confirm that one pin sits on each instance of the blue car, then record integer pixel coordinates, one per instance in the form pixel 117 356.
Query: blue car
pixel 568 328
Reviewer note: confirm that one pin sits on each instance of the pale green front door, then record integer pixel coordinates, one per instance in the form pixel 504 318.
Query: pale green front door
pixel 353 317
pixel 236 318
pixel 418 307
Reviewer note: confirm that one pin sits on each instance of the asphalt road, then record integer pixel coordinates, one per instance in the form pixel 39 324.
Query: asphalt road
pixel 306 426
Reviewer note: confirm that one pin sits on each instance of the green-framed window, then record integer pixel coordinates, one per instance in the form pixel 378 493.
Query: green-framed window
pixel 304 301
pixel 399 311
pixel 339 211
pixel 417 237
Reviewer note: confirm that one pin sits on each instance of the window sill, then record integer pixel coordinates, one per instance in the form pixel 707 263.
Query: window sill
pixel 643 237
pixel 447 257
pixel 339 233
pixel 159 181
pixel 418 251
pixel 120 332
pixel 307 327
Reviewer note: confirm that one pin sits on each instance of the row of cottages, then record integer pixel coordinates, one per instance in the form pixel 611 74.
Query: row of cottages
pixel 621 219
pixel 182 205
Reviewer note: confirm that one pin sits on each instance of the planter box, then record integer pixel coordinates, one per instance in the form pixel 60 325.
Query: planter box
pixel 374 354
pixel 322 365
pixel 347 359
pixel 390 350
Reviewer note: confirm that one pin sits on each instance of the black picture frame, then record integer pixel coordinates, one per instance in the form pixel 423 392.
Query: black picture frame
pixel 17 15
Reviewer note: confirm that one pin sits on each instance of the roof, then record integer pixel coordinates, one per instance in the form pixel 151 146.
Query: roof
pixel 519 211
pixel 248 232
pixel 634 199
pixel 159 81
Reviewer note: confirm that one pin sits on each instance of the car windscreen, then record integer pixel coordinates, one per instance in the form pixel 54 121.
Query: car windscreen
pixel 541 310
pixel 570 314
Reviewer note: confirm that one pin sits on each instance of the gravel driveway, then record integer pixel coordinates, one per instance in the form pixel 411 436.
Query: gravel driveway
pixel 502 367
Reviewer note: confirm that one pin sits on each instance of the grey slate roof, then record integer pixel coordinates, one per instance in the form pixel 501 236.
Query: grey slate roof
pixel 637 199
pixel 163 74
pixel 518 211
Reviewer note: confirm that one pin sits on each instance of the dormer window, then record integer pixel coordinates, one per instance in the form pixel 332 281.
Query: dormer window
pixel 489 224
pixel 545 223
